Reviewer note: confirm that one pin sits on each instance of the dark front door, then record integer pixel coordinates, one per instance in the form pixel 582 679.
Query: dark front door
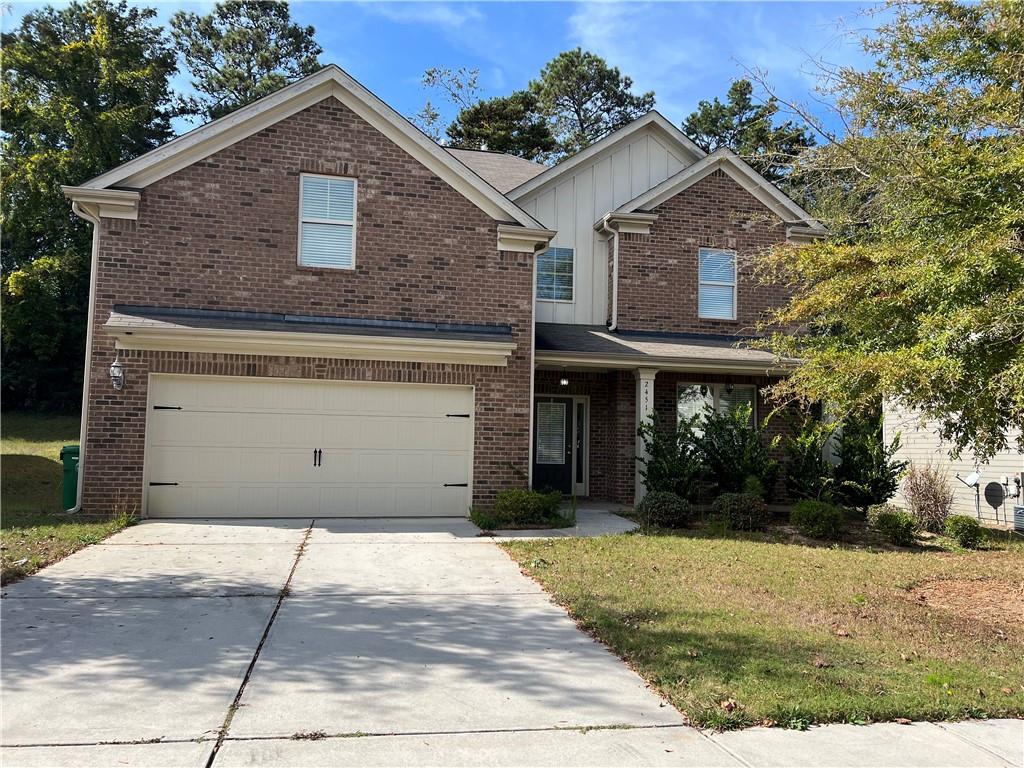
pixel 552 444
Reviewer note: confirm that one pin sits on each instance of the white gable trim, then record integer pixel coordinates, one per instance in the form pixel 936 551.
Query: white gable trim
pixel 653 118
pixel 723 159
pixel 329 81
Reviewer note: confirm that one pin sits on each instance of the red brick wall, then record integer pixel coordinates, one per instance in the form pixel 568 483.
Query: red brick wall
pixel 658 272
pixel 222 234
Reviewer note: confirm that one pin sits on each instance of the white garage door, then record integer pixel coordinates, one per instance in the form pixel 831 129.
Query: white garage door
pixel 242 447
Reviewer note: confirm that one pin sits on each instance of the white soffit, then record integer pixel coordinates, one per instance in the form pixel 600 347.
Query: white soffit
pixel 653 120
pixel 205 140
pixel 753 182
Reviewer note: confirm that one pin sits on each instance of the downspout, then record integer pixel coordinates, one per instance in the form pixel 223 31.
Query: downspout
pixel 613 232
pixel 94 219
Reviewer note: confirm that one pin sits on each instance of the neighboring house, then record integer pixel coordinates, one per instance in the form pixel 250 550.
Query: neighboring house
pixel 992 498
pixel 318 311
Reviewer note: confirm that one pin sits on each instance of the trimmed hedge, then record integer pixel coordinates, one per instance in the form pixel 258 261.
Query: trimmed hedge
pixel 817 519
pixel 897 525
pixel 741 511
pixel 663 509
pixel 519 507
pixel 966 531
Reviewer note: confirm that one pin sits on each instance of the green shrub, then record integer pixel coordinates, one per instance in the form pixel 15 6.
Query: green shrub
pixel 808 474
pixel 732 451
pixel 519 507
pixel 966 531
pixel 867 472
pixel 817 519
pixel 897 525
pixel 753 486
pixel 879 509
pixel 673 462
pixel 663 509
pixel 741 511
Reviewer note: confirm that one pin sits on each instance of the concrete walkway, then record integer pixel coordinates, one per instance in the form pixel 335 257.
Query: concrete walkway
pixel 358 642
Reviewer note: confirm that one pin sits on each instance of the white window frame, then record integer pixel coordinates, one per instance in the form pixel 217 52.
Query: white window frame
pixel 716 390
pixel 734 284
pixel 560 301
pixel 333 222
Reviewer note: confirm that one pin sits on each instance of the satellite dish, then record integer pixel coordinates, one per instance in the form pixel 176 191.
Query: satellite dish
pixel 972 479
pixel 995 494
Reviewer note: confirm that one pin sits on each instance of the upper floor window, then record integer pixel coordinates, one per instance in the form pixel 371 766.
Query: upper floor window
pixel 327 230
pixel 716 294
pixel 697 399
pixel 555 274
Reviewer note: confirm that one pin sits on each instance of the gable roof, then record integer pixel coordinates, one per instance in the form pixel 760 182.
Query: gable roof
pixel 330 81
pixel 652 119
pixel 500 170
pixel 725 160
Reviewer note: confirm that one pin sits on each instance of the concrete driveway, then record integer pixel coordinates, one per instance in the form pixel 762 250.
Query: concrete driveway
pixel 217 643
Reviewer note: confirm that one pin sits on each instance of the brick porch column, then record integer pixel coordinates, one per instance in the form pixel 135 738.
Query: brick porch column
pixel 644 415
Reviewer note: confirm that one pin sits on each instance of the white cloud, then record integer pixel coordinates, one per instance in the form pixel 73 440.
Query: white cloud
pixel 446 16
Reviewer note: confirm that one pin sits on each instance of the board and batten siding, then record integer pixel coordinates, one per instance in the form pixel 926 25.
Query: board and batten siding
pixel 571 203
pixel 920 443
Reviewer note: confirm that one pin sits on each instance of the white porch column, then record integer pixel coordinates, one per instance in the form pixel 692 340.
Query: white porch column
pixel 644 415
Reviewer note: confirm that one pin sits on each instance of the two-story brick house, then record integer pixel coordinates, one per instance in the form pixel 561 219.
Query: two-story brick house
pixel 309 308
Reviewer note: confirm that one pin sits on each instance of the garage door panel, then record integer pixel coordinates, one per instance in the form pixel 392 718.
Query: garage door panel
pixel 244 447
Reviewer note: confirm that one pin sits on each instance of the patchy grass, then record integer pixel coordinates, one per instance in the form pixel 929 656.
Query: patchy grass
pixel 34 532
pixel 757 628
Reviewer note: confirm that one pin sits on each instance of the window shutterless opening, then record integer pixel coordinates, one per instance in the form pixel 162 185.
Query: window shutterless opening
pixel 327 221
pixel 716 293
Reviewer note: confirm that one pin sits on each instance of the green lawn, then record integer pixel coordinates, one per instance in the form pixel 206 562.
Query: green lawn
pixel 33 531
pixel 760 629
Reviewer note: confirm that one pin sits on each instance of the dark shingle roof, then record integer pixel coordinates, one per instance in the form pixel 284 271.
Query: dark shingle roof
pixel 501 171
pixel 168 318
pixel 598 342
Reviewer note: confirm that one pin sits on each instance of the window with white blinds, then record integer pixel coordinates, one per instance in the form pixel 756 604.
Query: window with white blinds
pixel 716 295
pixel 550 433
pixel 697 399
pixel 555 274
pixel 327 230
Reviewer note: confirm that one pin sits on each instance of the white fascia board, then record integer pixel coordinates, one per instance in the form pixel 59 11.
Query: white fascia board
pixel 292 344
pixel 762 189
pixel 208 139
pixel 591 154
pixel 627 223
pixel 583 360
pixel 105 203
pixel 523 239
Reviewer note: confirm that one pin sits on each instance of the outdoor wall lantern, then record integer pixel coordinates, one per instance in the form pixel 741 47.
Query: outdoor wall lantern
pixel 117 375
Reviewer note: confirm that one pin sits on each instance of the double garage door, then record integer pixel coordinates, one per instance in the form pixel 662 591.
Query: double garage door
pixel 241 447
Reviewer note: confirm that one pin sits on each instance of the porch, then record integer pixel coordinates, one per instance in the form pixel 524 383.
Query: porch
pixel 593 387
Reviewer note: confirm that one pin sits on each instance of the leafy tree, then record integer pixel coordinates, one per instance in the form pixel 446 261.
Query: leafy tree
pixel 456 86
pixel 242 51
pixel 84 88
pixel 918 294
pixel 749 130
pixel 509 124
pixel 586 99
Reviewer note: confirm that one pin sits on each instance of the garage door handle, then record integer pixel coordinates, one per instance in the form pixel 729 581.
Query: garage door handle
pixel 456 485
pixel 163 483
pixel 318 456
pixel 457 415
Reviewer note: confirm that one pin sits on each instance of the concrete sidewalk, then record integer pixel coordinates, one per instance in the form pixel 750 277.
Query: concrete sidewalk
pixel 360 642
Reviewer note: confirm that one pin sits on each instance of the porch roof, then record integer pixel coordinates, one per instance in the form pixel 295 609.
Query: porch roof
pixel 594 346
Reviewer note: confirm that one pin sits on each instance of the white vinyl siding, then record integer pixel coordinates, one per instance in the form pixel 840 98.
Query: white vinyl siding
pixel 555 271
pixel 327 230
pixel 694 400
pixel 717 292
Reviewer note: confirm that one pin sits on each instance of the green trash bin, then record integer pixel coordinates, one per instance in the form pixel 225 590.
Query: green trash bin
pixel 69 458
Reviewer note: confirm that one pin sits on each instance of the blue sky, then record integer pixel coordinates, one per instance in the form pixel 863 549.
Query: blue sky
pixel 682 51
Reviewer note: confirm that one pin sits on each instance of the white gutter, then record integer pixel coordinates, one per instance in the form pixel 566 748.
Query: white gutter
pixel 613 233
pixel 81 211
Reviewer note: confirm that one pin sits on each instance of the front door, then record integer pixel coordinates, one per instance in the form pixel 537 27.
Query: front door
pixel 553 444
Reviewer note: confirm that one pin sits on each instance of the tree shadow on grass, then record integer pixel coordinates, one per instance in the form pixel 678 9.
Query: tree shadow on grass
pixel 29 484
